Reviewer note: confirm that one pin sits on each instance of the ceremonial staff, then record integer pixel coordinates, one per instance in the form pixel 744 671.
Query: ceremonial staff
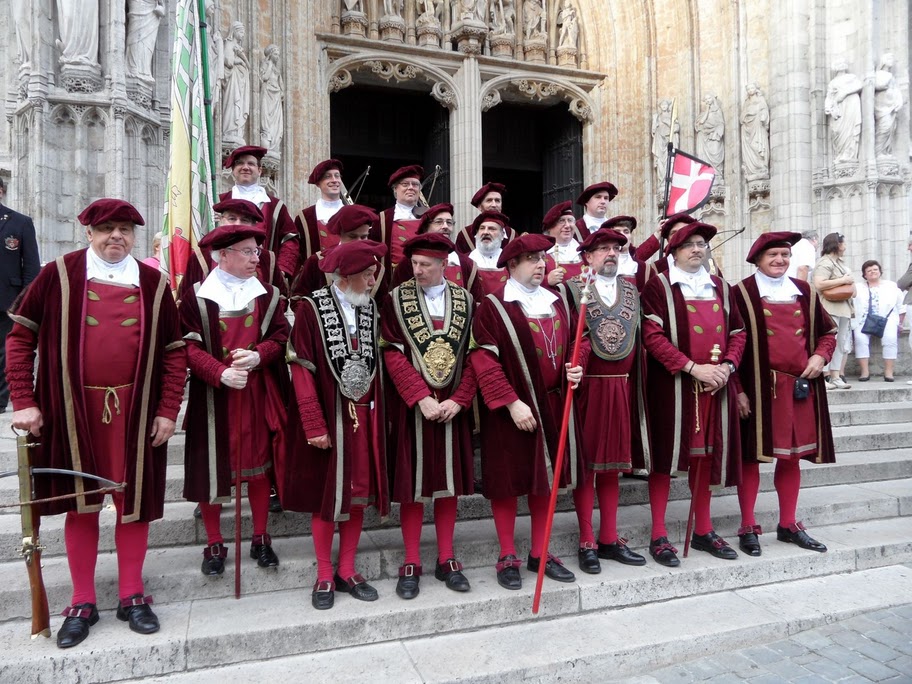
pixel 562 442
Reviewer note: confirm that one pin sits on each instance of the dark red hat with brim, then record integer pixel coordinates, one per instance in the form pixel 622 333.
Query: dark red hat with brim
pixel 600 236
pixel 483 191
pixel 239 206
pixel 524 244
pixel 225 236
pixel 704 230
pixel 413 171
pixel 781 238
pixel 350 217
pixel 673 220
pixel 320 169
pixel 555 212
pixel 352 258
pixel 619 221
pixel 436 245
pixel 107 209
pixel 432 213
pixel 255 150
pixel 501 220
pixel 587 194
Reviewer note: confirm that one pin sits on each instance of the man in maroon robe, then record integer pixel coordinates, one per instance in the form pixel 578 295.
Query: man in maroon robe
pixel 312 223
pixel 629 266
pixel 337 451
pixel 694 336
pixel 236 331
pixel 613 391
pixel 594 200
pixel 400 222
pixel 426 325
pixel 789 339
pixel 281 235
pixel 488 198
pixel 489 231
pixel 521 339
pixel 108 391
pixel 653 244
pixel 563 260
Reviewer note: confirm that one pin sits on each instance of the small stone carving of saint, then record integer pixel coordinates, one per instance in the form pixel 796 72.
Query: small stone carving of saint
pixel 77 21
pixel 272 98
pixel 22 18
pixel 393 8
pixel 534 19
pixel 430 14
pixel 353 6
pixel 888 100
pixel 755 117
pixel 569 32
pixel 662 134
pixel 710 129
pixel 236 93
pixel 843 106
pixel 143 18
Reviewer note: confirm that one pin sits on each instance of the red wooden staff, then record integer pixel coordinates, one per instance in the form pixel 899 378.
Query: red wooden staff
pixel 237 513
pixel 561 444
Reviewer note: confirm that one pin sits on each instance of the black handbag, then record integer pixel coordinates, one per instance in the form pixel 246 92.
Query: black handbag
pixel 874 324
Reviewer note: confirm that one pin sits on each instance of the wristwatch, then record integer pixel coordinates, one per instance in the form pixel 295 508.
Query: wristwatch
pixel 731 365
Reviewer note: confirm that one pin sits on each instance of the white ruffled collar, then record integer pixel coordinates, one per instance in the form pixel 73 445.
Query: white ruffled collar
pixel 535 301
pixel 124 272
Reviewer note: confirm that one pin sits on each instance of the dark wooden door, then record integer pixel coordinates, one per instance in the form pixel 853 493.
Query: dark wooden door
pixel 437 152
pixel 562 157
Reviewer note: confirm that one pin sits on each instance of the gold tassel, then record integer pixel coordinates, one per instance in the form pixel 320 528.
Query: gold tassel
pixel 353 414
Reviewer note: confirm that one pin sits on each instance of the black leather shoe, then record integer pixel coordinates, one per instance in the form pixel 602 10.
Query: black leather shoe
pixel 323 596
pixel 714 544
pixel 75 628
pixel 508 572
pixel 450 571
pixel 795 534
pixel 261 549
pixel 197 513
pixel 749 541
pixel 357 587
pixel 275 506
pixel 664 553
pixel 214 560
pixel 554 568
pixel 588 560
pixel 136 610
pixel 409 577
pixel 619 552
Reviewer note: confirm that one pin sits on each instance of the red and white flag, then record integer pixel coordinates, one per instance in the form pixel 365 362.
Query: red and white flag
pixel 689 185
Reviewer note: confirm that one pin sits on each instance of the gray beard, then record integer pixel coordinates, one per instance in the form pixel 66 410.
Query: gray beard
pixel 489 249
pixel 609 270
pixel 360 299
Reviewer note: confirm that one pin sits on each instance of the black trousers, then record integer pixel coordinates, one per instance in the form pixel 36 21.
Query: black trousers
pixel 6 324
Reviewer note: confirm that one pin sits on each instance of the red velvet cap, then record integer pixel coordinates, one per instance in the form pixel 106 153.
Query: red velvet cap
pixel 413 171
pixel 108 209
pixel 670 222
pixel 781 238
pixel 618 220
pixel 243 207
pixel 349 218
pixel 225 236
pixel 490 217
pixel 352 258
pixel 432 213
pixel 255 150
pixel 555 212
pixel 600 236
pixel 485 189
pixel 530 242
pixel 323 167
pixel 704 230
pixel 587 194
pixel 436 245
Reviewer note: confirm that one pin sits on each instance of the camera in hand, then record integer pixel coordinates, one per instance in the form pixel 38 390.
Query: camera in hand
pixel 802 388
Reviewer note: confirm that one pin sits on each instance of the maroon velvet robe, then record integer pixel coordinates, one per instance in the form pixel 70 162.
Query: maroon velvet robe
pixel 581 231
pixel 670 399
pixel 312 235
pixel 515 462
pixel 754 373
pixel 465 275
pixel 428 459
pixel 51 317
pixel 394 235
pixel 267 272
pixel 208 462
pixel 281 234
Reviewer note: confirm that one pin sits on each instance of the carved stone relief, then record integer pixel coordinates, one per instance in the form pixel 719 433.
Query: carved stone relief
pixel 272 100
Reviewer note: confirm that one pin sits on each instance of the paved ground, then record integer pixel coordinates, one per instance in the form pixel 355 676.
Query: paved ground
pixel 876 647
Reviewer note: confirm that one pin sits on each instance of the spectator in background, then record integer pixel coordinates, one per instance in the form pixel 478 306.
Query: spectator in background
pixel 155 260
pixel 905 284
pixel 831 272
pixel 884 298
pixel 804 255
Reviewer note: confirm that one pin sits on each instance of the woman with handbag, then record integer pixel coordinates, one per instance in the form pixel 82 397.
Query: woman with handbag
pixel 879 306
pixel 836 286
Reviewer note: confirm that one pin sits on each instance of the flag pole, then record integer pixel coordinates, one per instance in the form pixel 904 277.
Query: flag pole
pixel 668 157
pixel 207 89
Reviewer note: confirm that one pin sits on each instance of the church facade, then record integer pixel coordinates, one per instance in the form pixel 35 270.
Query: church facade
pixel 801 106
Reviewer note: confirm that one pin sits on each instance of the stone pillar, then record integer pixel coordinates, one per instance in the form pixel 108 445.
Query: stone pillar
pixel 465 141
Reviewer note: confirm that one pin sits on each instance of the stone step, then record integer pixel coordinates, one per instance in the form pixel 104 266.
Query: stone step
pixel 644 618
pixel 173 573
pixel 871 414
pixel 874 392
pixel 872 437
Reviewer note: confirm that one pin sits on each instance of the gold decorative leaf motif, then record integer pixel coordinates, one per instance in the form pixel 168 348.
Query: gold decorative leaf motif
pixel 534 327
pixel 130 321
pixel 92 296
pixel 698 329
pixel 131 299
pixel 691 308
pixel 248 321
pixel 91 320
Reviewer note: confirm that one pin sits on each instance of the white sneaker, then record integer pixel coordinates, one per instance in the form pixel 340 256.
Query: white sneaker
pixel 839 383
pixel 830 386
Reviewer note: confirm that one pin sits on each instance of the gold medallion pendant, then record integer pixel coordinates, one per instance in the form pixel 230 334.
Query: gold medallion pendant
pixel 439 360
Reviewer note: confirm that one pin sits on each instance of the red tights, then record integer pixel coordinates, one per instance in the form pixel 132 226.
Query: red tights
pixel 257 494
pixel 659 488
pixel 349 534
pixel 606 485
pixel 504 511
pixel 787 479
pixel 411 516
pixel 81 537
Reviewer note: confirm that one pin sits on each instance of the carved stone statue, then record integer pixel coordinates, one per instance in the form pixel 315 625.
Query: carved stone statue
pixel 393 8
pixel 216 59
pixel 272 97
pixel 755 117
pixel 534 19
pixel 569 23
pixel 662 134
pixel 888 100
pixel 22 18
pixel 710 129
pixel 77 21
pixel 843 106
pixel 143 18
pixel 503 18
pixel 431 12
pixel 353 5
pixel 236 92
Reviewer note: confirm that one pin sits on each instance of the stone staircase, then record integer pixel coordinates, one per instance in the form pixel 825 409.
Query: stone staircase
pixel 636 619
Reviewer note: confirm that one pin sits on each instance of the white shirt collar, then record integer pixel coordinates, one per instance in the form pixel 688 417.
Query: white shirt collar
pixel 781 289
pixel 697 285
pixel 435 299
pixel 347 310
pixel 255 193
pixel 566 254
pixel 627 265
pixel 453 259
pixel 402 212
pixel 606 286
pixel 124 272
pixel 535 301
pixel 593 223
pixel 230 292
pixel 484 261
pixel 327 209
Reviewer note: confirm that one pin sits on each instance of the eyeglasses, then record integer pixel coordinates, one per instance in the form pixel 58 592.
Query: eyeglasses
pixel 443 222
pixel 694 245
pixel 246 253
pixel 410 184
pixel 534 257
